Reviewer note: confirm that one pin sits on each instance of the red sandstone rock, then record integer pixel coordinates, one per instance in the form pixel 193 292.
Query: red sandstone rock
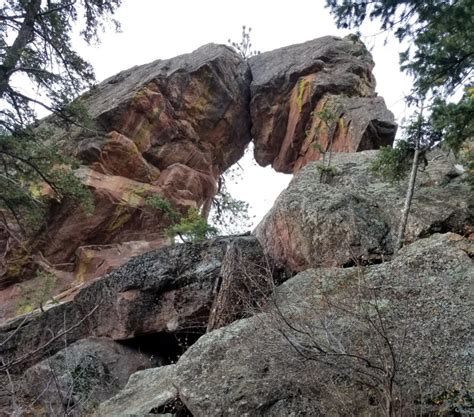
pixel 167 128
pixel 293 86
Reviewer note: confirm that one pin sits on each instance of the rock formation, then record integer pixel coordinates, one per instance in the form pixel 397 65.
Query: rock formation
pixel 313 315
pixel 316 97
pixel 171 128
pixel 166 128
pixel 170 290
pixel 82 375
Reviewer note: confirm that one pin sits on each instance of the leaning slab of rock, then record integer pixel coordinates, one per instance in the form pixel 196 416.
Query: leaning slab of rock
pixel 314 97
pixel 328 342
pixel 169 129
pixel 81 376
pixel 170 290
pixel 348 215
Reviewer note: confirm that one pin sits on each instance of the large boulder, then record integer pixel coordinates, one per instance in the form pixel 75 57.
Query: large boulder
pixel 81 376
pixel 169 128
pixel 348 215
pixel 314 97
pixel 335 342
pixel 168 291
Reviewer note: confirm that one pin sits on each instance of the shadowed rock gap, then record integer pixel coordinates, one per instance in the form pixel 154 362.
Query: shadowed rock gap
pixel 168 346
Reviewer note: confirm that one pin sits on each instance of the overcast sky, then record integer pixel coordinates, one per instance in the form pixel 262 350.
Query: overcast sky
pixel 154 29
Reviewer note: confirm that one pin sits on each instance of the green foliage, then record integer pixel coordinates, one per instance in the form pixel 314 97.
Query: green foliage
pixel 36 45
pixel 189 228
pixel 327 169
pixel 443 55
pixel 441 52
pixel 244 47
pixel 454 121
pixel 440 56
pixel 318 147
pixel 393 163
pixel 192 228
pixel 328 115
pixel 28 164
pixel 228 214
pixel 160 203
pixel 467 157
pixel 453 124
pixel 36 293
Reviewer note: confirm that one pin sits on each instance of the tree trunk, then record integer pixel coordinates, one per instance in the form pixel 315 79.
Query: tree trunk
pixel 409 195
pixel 24 37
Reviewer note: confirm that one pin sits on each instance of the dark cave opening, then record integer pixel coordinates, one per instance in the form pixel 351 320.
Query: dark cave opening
pixel 371 260
pixel 175 408
pixel 167 347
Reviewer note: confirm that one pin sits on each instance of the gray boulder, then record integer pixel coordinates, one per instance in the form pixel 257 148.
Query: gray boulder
pixel 82 375
pixel 167 291
pixel 328 342
pixel 349 215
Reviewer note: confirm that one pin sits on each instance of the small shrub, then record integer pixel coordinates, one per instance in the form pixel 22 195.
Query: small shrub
pixel 189 228
pixel 318 147
pixel 393 163
pixel 192 228
pixel 244 47
pixel 160 203
pixel 327 169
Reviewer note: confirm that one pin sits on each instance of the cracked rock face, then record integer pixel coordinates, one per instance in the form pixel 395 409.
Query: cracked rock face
pixel 168 290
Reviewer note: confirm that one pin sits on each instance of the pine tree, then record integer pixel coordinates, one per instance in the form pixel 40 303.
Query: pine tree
pixel 36 53
pixel 441 60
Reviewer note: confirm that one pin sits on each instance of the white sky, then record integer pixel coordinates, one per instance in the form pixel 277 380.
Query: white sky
pixel 154 29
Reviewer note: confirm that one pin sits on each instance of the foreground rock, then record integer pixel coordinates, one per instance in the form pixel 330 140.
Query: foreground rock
pixel 349 216
pixel 81 376
pixel 168 291
pixel 314 97
pixel 332 346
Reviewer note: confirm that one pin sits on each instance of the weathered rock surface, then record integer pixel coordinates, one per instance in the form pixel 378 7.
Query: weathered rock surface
pixel 81 376
pixel 170 290
pixel 169 129
pixel 316 96
pixel 350 215
pixel 172 127
pixel 274 364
